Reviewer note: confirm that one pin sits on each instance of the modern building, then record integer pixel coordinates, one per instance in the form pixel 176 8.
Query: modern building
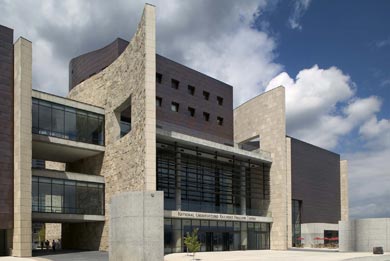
pixel 144 149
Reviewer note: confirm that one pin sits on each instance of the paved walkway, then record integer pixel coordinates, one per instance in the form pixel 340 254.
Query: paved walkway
pixel 264 255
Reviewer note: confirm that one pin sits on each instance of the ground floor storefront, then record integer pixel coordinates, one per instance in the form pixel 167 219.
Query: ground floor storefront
pixel 216 235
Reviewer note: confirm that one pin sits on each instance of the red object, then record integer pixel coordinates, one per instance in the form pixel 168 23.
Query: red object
pixel 300 238
pixel 318 238
pixel 326 238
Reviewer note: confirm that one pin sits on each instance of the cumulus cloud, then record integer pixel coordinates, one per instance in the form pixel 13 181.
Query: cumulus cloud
pixel 323 101
pixel 195 33
pixel 300 7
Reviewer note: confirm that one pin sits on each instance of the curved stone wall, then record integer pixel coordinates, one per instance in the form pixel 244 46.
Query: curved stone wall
pixel 89 64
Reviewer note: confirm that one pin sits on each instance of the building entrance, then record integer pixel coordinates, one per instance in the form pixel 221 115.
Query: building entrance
pixel 215 235
pixel 217 241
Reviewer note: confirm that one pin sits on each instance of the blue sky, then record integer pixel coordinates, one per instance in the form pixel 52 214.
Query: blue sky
pixel 352 35
pixel 332 57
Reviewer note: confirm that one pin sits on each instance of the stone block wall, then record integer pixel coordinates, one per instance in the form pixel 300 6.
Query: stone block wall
pixel 22 148
pixel 129 163
pixel 265 116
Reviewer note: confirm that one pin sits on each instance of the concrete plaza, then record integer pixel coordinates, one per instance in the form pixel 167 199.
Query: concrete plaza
pixel 292 255
pixel 257 255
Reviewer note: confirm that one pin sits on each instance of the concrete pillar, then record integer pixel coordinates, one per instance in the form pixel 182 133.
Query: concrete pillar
pixel 344 190
pixel 244 235
pixel 243 191
pixel 22 148
pixel 177 235
pixel 178 180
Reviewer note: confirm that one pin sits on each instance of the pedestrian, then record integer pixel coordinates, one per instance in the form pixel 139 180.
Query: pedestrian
pixel 47 243
pixel 42 244
pixel 53 245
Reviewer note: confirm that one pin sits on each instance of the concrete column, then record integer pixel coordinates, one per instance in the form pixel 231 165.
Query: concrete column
pixel 177 237
pixel 22 148
pixel 178 180
pixel 244 235
pixel 243 190
pixel 344 190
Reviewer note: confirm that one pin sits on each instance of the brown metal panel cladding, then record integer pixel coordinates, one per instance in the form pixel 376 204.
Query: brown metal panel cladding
pixel 315 179
pixel 182 121
pixel 6 127
pixel 86 65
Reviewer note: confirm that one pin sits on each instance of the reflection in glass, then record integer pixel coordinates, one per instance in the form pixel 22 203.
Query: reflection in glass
pixel 66 122
pixel 65 196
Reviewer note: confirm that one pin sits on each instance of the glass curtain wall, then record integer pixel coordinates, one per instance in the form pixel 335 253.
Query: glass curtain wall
pixel 216 235
pixel 67 196
pixel 212 183
pixel 296 221
pixel 65 122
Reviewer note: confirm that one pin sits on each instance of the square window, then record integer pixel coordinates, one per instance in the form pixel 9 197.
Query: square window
pixel 191 90
pixel 175 107
pixel 206 95
pixel 220 121
pixel 158 77
pixel 206 116
pixel 175 84
pixel 191 111
pixel 220 100
pixel 158 101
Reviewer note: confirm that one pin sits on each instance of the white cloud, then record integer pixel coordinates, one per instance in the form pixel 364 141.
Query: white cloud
pixel 300 7
pixel 196 33
pixel 321 106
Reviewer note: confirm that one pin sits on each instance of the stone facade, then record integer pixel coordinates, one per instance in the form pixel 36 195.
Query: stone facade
pixel 264 115
pixel 52 231
pixel 344 190
pixel 22 148
pixel 129 163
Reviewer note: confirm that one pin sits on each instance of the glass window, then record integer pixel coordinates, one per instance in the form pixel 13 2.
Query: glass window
pixel 58 120
pixel 220 100
pixel 175 84
pixel 175 107
pixel 206 116
pixel 158 101
pixel 220 121
pixel 158 77
pixel 206 95
pixel 65 122
pixel 191 90
pixel 66 196
pixel 191 111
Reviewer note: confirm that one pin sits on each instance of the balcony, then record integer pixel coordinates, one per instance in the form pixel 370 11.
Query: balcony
pixel 64 133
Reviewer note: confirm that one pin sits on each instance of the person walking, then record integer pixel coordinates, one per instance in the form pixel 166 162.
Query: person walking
pixel 53 245
pixel 47 243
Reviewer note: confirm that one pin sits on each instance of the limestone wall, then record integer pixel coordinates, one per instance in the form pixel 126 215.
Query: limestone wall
pixel 363 235
pixel 344 190
pixel 309 231
pixel 129 163
pixel 22 148
pixel 264 115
